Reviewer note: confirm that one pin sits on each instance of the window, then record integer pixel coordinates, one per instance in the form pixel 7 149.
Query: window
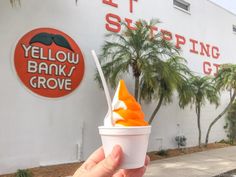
pixel 234 28
pixel 182 5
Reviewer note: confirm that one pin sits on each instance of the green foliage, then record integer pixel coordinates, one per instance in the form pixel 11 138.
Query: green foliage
pixel 231 123
pixel 226 77
pixel 223 141
pixel 165 79
pixel 154 63
pixel 197 90
pixel 122 52
pixel 136 51
pixel 225 80
pixel 24 173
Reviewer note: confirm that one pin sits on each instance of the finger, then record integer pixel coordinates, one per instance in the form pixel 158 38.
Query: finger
pixel 93 159
pixel 120 173
pixel 147 161
pixel 97 156
pixel 138 172
pixel 109 165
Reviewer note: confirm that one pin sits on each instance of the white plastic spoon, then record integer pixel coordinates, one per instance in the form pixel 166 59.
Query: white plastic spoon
pixel 108 119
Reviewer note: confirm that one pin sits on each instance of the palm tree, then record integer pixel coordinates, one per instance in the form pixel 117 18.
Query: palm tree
pixel 161 83
pixel 137 51
pixel 196 92
pixel 154 62
pixel 225 80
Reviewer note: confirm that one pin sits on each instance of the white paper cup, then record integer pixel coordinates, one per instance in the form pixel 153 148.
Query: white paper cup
pixel 133 141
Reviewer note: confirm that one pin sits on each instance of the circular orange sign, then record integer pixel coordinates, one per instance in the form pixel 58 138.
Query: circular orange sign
pixel 49 62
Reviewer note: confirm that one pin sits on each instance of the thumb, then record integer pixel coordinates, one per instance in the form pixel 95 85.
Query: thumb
pixel 109 165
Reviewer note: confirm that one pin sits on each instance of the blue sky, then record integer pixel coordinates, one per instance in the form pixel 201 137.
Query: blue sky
pixel 227 4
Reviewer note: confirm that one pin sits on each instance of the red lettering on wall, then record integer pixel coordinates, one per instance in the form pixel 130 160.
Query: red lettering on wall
pixel 216 67
pixel 215 52
pixel 193 49
pixel 207 68
pixel 131 5
pixel 110 2
pixel 166 35
pixel 180 40
pixel 113 23
pixel 205 49
pixel 129 22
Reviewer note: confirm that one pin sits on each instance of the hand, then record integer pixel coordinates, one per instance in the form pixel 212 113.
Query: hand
pixel 99 166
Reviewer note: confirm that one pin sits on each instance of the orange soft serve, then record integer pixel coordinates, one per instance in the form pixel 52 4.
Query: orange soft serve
pixel 126 110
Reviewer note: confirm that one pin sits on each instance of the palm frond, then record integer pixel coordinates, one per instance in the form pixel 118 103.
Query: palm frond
pixel 198 91
pixel 154 61
pixel 226 77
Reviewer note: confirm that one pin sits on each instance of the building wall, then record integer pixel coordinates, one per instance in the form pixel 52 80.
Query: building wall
pixel 36 131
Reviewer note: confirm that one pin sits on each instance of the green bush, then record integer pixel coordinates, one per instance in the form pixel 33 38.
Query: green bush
pixel 223 140
pixel 230 126
pixel 24 173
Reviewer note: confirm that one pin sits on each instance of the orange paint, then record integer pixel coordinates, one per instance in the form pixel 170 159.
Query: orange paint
pixel 133 115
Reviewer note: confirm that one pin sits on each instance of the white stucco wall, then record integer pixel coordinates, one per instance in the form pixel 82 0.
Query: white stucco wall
pixel 36 131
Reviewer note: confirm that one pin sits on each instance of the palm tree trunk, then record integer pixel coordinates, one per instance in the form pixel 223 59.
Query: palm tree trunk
pixel 156 110
pixel 136 88
pixel 199 124
pixel 218 117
